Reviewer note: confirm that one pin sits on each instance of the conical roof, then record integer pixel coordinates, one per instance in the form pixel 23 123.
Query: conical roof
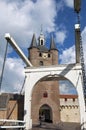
pixel 33 42
pixel 52 44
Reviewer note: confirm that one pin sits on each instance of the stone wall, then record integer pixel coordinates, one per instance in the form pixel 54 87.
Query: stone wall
pixel 69 108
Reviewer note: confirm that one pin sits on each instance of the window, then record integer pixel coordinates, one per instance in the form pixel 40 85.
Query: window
pixel 45 94
pixel 40 54
pixel 41 42
pixel 41 63
pixel 48 55
pixel 65 99
pixel 73 99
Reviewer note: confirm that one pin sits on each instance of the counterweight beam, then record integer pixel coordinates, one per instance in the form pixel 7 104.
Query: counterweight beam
pixel 17 49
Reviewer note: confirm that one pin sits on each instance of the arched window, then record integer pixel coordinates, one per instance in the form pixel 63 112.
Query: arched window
pixel 41 63
pixel 45 94
pixel 49 55
pixel 45 112
pixel 40 54
pixel 41 42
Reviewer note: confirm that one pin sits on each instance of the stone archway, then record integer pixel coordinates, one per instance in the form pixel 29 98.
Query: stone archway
pixel 72 72
pixel 45 92
pixel 45 113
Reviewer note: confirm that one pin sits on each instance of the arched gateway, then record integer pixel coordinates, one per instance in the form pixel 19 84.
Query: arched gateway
pixel 41 86
pixel 46 68
pixel 72 72
pixel 40 56
pixel 45 113
pixel 50 71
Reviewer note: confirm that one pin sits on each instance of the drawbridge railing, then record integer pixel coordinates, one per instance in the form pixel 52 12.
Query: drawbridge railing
pixel 5 124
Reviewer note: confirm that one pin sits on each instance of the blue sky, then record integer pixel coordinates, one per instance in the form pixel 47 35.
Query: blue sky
pixel 22 18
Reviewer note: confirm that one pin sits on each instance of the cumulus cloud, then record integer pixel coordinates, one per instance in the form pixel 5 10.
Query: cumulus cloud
pixel 66 87
pixel 22 19
pixel 13 75
pixel 69 3
pixel 68 55
pixel 61 36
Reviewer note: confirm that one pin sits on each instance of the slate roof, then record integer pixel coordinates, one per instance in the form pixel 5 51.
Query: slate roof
pixel 42 48
pixel 33 42
pixel 52 44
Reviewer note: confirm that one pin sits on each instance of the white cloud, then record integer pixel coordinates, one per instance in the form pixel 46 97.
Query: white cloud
pixel 67 88
pixel 69 3
pixel 23 18
pixel 61 36
pixel 68 56
pixel 13 75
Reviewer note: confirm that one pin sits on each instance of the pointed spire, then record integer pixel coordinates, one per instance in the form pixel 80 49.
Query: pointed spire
pixel 52 45
pixel 33 43
pixel 41 37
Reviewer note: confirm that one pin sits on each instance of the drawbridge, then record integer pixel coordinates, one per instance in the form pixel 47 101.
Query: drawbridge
pixel 75 73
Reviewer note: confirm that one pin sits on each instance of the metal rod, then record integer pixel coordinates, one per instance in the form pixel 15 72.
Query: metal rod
pixel 23 85
pixel 3 66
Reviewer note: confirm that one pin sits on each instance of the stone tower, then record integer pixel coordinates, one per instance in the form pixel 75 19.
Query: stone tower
pixel 45 96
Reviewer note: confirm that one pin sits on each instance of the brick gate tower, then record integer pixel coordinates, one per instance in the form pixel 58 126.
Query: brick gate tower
pixel 45 101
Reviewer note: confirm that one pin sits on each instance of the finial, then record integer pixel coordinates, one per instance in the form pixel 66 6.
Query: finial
pixel 41 29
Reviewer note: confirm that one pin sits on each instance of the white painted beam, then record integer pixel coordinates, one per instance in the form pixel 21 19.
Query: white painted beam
pixel 7 120
pixel 6 127
pixel 17 49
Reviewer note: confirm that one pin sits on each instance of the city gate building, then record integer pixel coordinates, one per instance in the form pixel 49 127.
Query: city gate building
pixel 45 95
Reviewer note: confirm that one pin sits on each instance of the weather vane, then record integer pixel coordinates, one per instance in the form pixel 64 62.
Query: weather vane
pixel 41 28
